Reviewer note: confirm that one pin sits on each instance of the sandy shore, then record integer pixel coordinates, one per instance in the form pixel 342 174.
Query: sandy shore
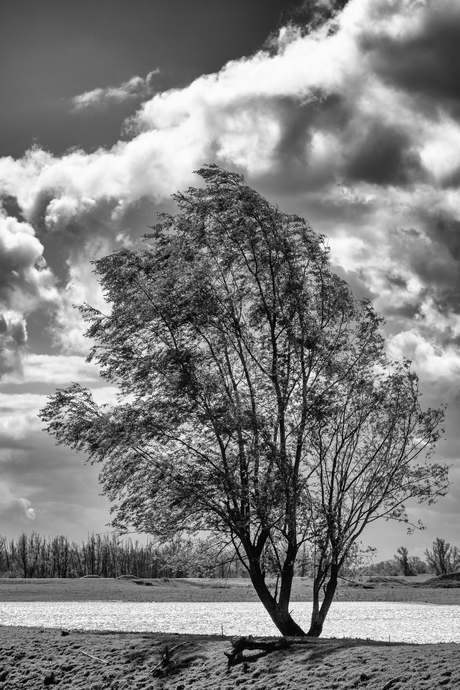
pixel 36 658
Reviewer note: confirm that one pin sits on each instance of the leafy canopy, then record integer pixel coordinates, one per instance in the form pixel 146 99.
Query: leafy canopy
pixel 255 395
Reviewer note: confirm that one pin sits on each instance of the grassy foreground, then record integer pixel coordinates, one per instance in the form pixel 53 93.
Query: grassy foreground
pixel 35 657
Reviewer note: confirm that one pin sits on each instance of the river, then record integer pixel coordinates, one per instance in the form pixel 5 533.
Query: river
pixel 418 623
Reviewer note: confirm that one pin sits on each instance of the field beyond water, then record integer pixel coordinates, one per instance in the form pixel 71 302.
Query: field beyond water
pixel 35 657
pixel 418 589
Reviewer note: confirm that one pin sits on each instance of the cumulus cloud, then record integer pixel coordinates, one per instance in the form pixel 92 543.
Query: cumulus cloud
pixel 24 277
pixel 339 123
pixel 82 287
pixel 431 361
pixel 13 325
pixel 134 88
pixel 29 512
pixel 25 283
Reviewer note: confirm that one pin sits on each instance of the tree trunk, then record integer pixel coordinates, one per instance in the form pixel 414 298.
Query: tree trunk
pixel 279 614
pixel 319 614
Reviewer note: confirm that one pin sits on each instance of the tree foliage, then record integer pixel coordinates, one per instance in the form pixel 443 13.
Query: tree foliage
pixel 443 558
pixel 256 400
pixel 404 562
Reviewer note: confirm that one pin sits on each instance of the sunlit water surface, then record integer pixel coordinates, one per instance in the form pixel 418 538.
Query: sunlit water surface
pixel 419 623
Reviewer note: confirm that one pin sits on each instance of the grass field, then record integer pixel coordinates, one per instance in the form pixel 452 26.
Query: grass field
pixel 100 589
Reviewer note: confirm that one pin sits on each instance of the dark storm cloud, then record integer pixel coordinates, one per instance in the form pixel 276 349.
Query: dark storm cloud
pixel 446 231
pixel 403 309
pixel 428 254
pixel 424 60
pixel 65 237
pixel 295 168
pixel 356 281
pixel 381 155
pixel 312 14
pixel 438 263
pixel 372 151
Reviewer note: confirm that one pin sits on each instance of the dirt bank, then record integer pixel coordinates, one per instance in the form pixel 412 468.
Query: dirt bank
pixel 34 658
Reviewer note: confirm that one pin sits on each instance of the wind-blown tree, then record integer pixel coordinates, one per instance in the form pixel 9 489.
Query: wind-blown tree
pixel 255 397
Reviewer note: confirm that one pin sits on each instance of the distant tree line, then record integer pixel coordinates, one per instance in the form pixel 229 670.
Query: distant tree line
pixel 107 555
pixel 440 560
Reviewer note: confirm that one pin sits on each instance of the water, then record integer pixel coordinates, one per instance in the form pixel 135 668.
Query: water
pixel 419 623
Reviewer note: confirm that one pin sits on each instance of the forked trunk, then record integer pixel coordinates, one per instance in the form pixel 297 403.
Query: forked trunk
pixel 279 612
pixel 319 613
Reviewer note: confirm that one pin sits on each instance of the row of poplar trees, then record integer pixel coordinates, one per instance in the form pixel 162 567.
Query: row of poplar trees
pixel 106 555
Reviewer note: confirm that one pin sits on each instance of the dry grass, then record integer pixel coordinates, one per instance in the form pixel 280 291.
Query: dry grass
pixel 100 589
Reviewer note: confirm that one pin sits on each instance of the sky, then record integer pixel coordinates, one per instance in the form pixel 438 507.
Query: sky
pixel 346 113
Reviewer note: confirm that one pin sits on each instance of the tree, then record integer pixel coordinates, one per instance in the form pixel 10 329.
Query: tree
pixel 362 457
pixel 444 558
pixel 255 397
pixel 403 560
pixel 418 566
pixel 408 565
pixel 390 567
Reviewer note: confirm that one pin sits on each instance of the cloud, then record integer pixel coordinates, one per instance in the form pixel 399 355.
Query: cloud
pixel 13 338
pixel 353 123
pixel 82 287
pixel 19 415
pixel 65 495
pixel 433 363
pixel 10 503
pixel 12 324
pixel 25 283
pixel 418 48
pixel 19 409
pixel 134 88
pixel 24 276
pixel 337 124
pixel 30 512
pixel 54 370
